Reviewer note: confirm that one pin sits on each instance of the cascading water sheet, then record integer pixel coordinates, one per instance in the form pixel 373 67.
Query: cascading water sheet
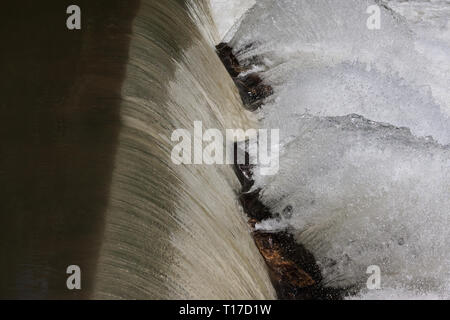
pixel 176 231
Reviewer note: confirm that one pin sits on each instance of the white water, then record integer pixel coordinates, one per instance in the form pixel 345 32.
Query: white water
pixel 227 13
pixel 176 232
pixel 363 191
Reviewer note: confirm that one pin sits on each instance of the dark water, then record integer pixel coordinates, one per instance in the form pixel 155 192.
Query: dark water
pixel 59 115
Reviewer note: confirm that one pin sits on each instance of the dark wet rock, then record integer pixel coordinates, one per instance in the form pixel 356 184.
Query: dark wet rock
pixel 244 174
pixel 253 207
pixel 287 212
pixel 251 87
pixel 229 60
pixel 284 272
